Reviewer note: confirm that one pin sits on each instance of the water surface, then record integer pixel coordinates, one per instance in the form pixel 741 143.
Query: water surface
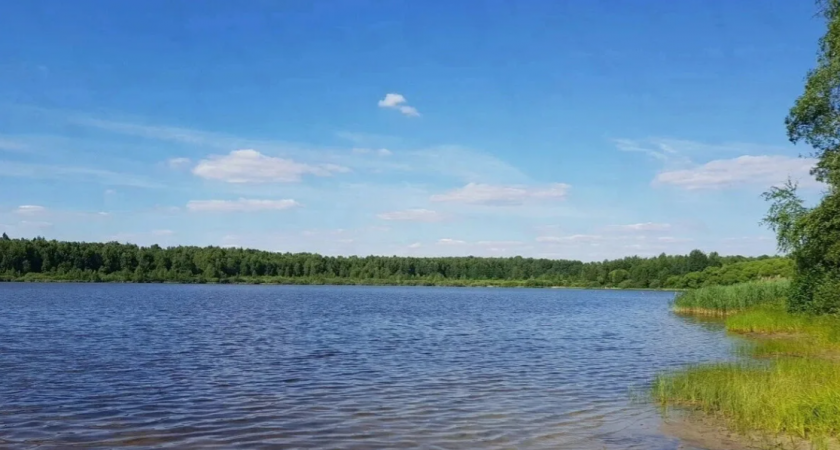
pixel 236 367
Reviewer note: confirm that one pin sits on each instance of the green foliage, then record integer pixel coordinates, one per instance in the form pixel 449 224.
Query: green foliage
pixel 812 236
pixel 723 300
pixel 619 275
pixel 734 273
pixel 785 216
pixel 42 260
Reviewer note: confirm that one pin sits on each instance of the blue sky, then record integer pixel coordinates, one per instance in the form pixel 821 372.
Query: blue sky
pixel 560 129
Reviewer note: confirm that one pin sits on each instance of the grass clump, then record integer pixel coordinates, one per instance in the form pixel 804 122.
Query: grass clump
pixel 792 397
pixel 725 300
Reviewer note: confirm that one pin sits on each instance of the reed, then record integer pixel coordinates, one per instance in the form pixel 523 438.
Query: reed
pixel 725 300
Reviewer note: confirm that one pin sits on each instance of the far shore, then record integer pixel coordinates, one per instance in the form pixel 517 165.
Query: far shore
pixel 336 283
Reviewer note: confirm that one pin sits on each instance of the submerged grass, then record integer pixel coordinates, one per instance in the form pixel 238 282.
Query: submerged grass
pixel 725 300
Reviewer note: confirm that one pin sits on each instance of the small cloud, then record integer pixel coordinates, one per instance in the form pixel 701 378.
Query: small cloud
pixel 487 194
pixel 415 245
pixel 110 192
pixel 446 241
pixel 29 210
pixel 251 166
pixel 572 238
pixel 409 111
pixel 643 227
pixel 673 240
pixel 241 205
pixel 103 214
pixel 397 101
pixel 412 215
pixel 367 151
pixel 162 233
pixel 744 170
pixel 36 225
pixel 499 243
pixel 654 148
pixel 178 163
pixel 391 100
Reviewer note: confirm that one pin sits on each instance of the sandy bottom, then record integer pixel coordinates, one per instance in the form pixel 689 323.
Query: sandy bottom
pixel 698 433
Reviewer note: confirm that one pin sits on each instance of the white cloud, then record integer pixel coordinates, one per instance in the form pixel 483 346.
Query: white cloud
pixel 679 152
pixel 391 100
pixel 447 241
pixel 642 227
pixel 29 210
pixel 241 205
pixel 488 194
pixel 162 232
pixel 572 238
pixel 415 245
pixel 409 111
pixel 412 215
pixel 367 151
pixel 499 243
pixel 397 101
pixel 674 240
pixel 744 170
pixel 251 166
pixel 178 163
pixel 69 173
pixel 35 225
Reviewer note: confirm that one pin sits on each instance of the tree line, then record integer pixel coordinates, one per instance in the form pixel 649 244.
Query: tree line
pixel 42 259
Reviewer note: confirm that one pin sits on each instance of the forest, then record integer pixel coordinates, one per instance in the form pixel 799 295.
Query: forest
pixel 40 259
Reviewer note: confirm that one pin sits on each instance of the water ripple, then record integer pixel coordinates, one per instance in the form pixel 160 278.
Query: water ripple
pixel 236 367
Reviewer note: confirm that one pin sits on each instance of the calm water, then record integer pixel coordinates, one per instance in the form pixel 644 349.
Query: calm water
pixel 234 367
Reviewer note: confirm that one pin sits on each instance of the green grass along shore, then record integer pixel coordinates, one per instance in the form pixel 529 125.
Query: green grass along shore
pixel 785 384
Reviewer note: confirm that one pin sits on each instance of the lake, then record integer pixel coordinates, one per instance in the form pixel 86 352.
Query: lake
pixel 235 367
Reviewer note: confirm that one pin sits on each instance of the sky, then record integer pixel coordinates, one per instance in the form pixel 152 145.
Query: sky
pixel 556 129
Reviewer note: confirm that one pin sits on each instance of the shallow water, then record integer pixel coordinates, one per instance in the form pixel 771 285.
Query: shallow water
pixel 235 367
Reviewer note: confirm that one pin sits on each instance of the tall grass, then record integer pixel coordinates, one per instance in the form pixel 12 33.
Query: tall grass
pixel 784 334
pixel 794 391
pixel 724 300
pixel 795 397
pixel 774 320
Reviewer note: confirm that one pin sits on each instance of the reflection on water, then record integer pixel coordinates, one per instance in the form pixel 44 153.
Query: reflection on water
pixel 158 366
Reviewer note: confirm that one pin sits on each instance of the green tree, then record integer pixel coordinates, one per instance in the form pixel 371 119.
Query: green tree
pixel 619 275
pixel 812 236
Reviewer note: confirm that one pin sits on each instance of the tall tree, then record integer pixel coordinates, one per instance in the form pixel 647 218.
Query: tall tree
pixel 812 236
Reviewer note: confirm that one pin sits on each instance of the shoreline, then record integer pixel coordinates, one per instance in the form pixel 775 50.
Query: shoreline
pixel 781 383
pixel 374 283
